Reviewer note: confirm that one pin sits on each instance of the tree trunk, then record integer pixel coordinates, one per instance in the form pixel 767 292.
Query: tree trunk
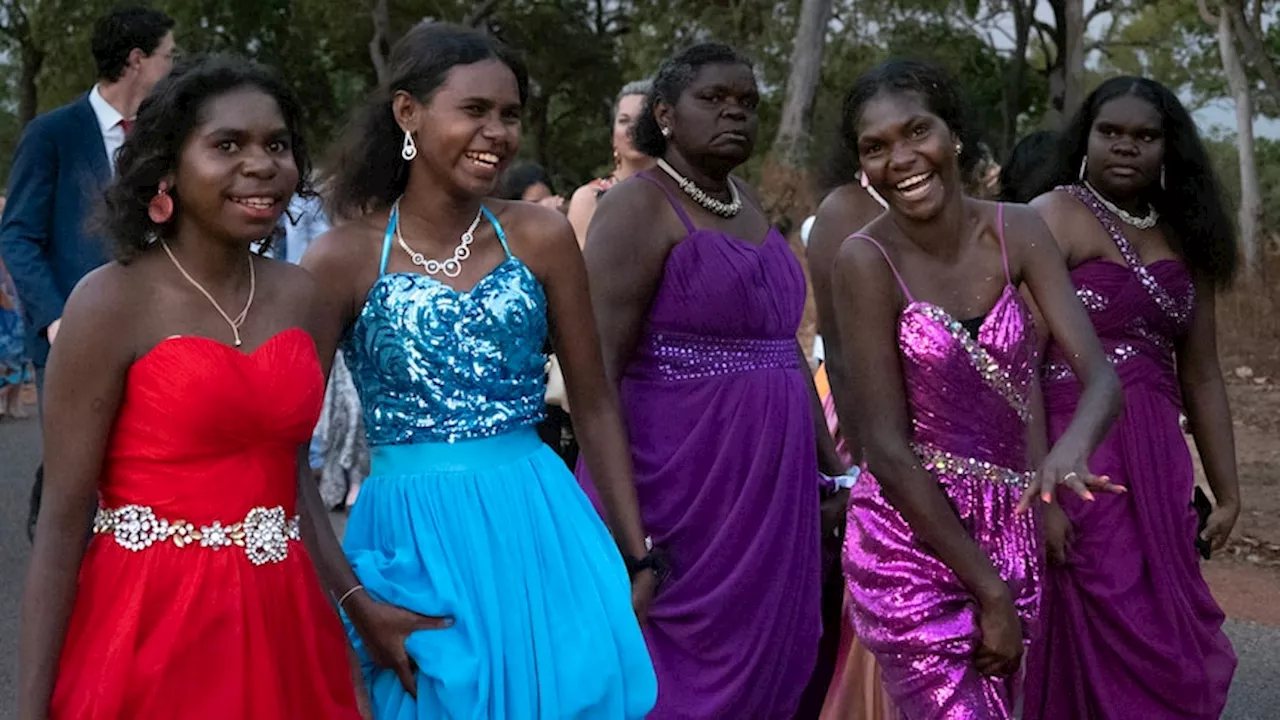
pixel 1055 114
pixel 1017 75
pixel 784 184
pixel 1250 193
pixel 1254 51
pixel 380 45
pixel 1073 57
pixel 28 91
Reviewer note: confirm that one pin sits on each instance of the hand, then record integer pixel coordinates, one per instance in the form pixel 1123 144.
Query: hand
pixel 385 628
pixel 833 512
pixel 555 202
pixel 1058 534
pixel 1065 466
pixel 643 586
pixel 1217 529
pixel 1000 650
pixel 52 331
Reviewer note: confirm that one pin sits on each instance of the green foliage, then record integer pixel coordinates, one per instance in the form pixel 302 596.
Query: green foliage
pixel 1225 153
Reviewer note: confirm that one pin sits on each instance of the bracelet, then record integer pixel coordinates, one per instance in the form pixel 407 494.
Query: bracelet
pixel 836 483
pixel 348 594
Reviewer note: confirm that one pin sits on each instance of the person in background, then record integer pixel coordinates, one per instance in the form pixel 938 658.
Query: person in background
pixel 1131 628
pixel 1030 167
pixel 530 183
pixel 627 160
pixel 14 366
pixel 64 159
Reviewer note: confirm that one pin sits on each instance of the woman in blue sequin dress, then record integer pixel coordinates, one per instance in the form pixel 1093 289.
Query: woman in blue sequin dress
pixel 440 301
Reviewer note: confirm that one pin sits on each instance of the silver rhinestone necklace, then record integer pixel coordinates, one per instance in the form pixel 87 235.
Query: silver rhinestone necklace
pixel 700 196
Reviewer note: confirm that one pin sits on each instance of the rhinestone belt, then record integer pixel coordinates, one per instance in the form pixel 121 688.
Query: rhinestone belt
pixel 264 533
pixel 941 461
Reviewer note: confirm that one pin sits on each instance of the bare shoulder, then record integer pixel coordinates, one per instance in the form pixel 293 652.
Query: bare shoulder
pixel 632 197
pixel 1020 219
pixel 1059 207
pixel 530 227
pixel 291 284
pixel 586 195
pixel 843 212
pixel 110 289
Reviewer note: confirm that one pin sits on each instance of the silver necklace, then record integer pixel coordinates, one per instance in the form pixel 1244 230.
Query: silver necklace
pixel 700 196
pixel 451 267
pixel 1143 222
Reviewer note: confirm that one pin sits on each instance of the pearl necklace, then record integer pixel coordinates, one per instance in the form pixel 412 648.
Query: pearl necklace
pixel 1144 222
pixel 451 267
pixel 239 320
pixel 700 196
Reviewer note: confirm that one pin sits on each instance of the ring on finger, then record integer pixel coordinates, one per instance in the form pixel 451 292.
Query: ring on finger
pixel 1071 476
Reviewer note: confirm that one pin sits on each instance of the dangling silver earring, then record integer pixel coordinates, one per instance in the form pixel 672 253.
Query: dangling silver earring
pixel 1084 162
pixel 408 150
pixel 1162 187
pixel 959 147
pixel 666 131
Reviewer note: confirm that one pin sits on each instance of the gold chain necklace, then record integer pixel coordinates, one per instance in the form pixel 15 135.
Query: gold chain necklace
pixel 253 284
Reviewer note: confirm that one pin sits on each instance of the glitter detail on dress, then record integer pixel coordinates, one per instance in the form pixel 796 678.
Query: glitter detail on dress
pixel 997 378
pixel 941 462
pixel 683 356
pixel 1060 370
pixel 264 533
pixel 1093 302
pixel 434 364
pixel 1179 311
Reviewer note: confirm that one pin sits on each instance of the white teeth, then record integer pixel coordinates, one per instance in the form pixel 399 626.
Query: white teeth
pixel 913 180
pixel 483 158
pixel 258 203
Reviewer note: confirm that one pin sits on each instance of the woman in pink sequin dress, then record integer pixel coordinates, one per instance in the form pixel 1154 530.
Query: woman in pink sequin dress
pixel 942 560
pixel 1130 627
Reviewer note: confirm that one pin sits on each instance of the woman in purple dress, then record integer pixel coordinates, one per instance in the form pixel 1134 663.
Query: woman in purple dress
pixel 1130 628
pixel 698 301
pixel 942 557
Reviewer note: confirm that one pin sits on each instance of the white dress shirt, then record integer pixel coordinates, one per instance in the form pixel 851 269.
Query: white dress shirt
pixel 109 120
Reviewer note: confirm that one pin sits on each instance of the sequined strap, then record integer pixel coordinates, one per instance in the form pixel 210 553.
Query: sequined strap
pixel 940 461
pixel 264 534
pixel 682 356
pixel 1162 298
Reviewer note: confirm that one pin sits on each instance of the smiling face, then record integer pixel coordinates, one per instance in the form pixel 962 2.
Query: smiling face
pixel 714 120
pixel 907 153
pixel 236 171
pixel 469 130
pixel 629 108
pixel 1126 147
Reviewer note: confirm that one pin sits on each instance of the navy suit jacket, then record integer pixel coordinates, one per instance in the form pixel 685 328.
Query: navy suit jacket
pixel 59 171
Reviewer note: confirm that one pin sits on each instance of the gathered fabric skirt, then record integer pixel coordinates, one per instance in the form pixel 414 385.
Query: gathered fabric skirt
pixel 497 534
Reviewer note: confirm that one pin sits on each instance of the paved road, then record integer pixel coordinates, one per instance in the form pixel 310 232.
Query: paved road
pixel 1254 696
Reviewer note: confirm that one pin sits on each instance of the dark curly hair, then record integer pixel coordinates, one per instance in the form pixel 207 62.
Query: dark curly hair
pixel 674 77
pixel 1029 170
pixel 521 177
pixel 165 120
pixel 365 170
pixel 941 94
pixel 1192 202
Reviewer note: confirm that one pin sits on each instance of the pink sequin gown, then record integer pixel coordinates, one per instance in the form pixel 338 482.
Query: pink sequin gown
pixel 969 403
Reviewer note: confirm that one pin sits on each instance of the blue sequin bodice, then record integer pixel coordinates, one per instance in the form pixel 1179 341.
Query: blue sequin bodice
pixel 434 364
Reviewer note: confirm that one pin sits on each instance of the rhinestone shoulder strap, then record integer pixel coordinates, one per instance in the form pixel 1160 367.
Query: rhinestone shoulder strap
pixel 1162 298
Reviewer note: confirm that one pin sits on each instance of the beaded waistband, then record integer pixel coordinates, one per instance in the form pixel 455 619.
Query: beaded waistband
pixel 941 461
pixel 684 356
pixel 264 533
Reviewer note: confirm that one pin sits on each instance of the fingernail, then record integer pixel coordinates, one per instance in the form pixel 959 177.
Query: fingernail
pixel 1047 497
pixel 1088 496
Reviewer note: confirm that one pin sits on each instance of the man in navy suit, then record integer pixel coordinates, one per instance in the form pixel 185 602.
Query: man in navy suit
pixel 63 161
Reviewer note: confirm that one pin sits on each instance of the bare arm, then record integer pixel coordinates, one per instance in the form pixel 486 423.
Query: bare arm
pixel 582 205
pixel 1045 274
pixel 86 378
pixel 868 303
pixel 1204 396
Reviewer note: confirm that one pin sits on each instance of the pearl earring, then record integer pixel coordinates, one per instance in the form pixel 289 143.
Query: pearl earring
pixel 408 150
pixel 666 132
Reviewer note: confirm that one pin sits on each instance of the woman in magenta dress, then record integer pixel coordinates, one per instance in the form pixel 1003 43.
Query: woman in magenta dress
pixel 698 301
pixel 1130 628
pixel 942 558
pixel 181 396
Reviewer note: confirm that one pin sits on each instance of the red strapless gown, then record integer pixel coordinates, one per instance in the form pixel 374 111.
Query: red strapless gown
pixel 206 433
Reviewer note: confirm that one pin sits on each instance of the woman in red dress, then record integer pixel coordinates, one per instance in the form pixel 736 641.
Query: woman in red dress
pixel 181 392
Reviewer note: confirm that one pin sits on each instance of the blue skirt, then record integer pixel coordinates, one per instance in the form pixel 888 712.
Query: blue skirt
pixel 497 534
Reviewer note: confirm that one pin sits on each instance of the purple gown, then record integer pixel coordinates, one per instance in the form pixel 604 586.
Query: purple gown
pixel 722 439
pixel 1130 628
pixel 968 402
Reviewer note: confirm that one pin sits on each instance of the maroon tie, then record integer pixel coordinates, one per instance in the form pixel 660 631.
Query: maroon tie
pixel 126 125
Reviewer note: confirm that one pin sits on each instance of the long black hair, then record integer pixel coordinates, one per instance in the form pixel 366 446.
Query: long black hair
pixel 942 96
pixel 365 171
pixel 165 120
pixel 1192 202
pixel 674 77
